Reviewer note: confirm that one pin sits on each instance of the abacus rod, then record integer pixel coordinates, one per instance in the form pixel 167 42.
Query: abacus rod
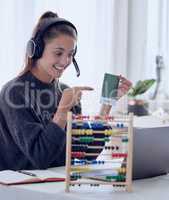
pixel 99 182
pixel 114 131
pixel 88 146
pixel 87 167
pixel 106 161
pixel 105 154
pixel 122 120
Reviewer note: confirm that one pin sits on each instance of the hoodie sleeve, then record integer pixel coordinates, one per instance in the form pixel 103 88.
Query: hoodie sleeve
pixel 41 144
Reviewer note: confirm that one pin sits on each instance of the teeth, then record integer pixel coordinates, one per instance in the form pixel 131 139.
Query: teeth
pixel 57 67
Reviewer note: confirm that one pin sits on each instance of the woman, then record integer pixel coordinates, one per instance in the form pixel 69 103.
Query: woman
pixel 34 105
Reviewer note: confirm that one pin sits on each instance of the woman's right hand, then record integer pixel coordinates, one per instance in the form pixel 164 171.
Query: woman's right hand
pixel 70 97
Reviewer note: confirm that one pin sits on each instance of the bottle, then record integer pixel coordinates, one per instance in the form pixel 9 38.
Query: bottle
pixel 160 98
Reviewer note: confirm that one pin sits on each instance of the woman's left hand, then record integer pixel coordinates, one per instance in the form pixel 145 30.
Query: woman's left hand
pixel 124 86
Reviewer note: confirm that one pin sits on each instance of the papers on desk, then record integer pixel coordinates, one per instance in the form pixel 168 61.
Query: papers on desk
pixel 10 177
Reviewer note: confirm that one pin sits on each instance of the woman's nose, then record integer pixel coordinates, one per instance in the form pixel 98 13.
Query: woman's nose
pixel 64 61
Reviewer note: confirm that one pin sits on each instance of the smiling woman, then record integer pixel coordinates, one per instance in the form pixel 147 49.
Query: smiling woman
pixel 34 105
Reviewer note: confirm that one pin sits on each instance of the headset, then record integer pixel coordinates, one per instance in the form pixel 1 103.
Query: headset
pixel 35 45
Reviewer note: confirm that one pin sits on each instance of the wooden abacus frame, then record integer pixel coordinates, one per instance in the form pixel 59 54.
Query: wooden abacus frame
pixel 128 181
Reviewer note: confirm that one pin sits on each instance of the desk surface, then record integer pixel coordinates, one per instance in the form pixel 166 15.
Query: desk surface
pixel 148 189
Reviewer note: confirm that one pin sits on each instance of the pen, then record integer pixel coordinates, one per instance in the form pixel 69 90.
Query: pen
pixel 26 173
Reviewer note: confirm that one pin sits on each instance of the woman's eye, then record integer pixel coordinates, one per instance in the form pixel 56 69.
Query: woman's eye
pixel 58 54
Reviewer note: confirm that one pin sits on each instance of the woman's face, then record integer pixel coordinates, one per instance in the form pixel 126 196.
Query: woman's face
pixel 57 56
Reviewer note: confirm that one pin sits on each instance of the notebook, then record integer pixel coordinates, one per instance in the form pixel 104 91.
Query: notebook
pixel 10 177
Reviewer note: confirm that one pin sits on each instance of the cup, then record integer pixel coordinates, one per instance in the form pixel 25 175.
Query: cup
pixel 109 88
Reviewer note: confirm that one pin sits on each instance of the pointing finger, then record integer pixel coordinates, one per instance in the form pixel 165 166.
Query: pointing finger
pixel 82 88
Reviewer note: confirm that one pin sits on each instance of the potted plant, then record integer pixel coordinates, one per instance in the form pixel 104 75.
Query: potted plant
pixel 136 105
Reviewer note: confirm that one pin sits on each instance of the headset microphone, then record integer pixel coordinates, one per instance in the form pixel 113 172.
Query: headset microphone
pixel 76 67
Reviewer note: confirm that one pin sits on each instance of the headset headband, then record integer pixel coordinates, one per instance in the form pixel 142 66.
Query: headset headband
pixel 51 22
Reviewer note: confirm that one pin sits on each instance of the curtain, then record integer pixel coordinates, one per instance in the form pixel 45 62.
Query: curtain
pixel 148 37
pixel 16 20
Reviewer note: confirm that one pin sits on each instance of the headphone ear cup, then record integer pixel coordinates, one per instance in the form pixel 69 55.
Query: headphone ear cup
pixel 38 48
pixel 35 48
pixel 30 48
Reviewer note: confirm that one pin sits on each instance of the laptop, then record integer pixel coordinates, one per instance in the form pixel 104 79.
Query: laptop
pixel 150 152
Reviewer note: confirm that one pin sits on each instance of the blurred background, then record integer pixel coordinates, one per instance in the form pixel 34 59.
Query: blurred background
pixel 115 36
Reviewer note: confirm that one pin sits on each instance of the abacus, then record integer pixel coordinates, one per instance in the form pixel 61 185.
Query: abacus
pixel 90 155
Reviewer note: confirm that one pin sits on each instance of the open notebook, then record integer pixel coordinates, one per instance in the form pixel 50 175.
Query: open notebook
pixel 9 177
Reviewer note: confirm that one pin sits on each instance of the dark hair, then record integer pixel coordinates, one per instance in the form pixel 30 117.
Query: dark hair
pixel 51 33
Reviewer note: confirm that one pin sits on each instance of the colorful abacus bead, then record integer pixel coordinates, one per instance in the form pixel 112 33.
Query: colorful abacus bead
pixel 78 154
pixel 125 140
pixel 79 162
pixel 100 162
pixel 86 125
pixel 120 125
pixel 97 117
pixel 122 170
pixel 97 126
pixel 89 132
pixel 120 178
pixel 106 139
pixel 108 132
pixel 74 177
pixel 119 155
pixel 86 139
pixel 74 126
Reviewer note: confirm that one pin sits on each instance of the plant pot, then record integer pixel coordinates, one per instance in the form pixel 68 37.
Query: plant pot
pixel 138 107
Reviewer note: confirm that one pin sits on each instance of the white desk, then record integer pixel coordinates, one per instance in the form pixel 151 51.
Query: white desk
pixel 149 189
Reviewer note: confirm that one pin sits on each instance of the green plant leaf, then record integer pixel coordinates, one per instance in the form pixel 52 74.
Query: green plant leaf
pixel 141 87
